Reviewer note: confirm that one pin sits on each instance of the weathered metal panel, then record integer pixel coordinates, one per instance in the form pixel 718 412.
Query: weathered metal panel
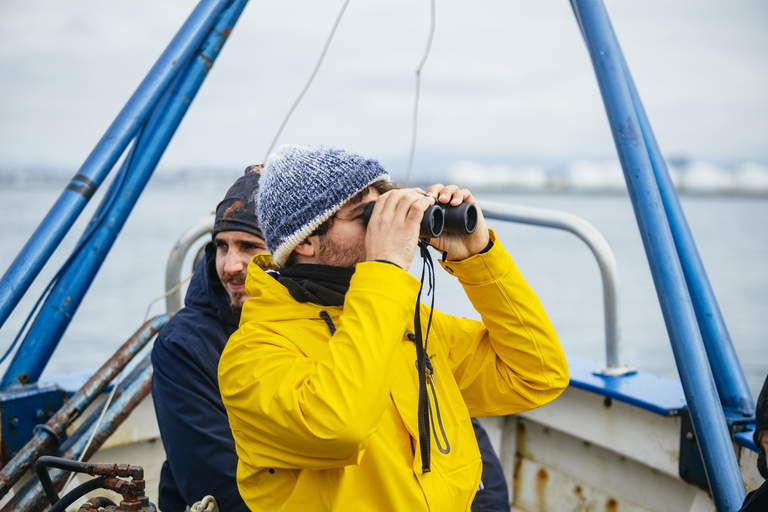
pixel 637 433
pixel 558 472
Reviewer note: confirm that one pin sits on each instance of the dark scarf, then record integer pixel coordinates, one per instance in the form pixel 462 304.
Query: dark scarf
pixel 324 285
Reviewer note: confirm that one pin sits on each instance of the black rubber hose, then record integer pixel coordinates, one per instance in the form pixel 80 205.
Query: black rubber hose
pixel 65 464
pixel 41 468
pixel 47 461
pixel 102 502
pixel 77 493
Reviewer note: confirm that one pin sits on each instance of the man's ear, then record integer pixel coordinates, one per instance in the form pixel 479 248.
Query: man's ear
pixel 306 248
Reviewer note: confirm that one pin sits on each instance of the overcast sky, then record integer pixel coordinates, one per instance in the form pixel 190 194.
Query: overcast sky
pixel 506 80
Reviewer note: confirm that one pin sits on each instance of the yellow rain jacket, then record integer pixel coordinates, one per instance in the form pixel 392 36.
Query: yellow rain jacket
pixel 327 422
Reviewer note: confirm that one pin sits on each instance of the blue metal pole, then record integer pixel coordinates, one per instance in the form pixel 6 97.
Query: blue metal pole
pixel 696 376
pixel 726 369
pixel 91 174
pixel 58 309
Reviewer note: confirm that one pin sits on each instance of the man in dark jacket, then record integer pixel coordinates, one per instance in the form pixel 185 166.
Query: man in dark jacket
pixel 193 422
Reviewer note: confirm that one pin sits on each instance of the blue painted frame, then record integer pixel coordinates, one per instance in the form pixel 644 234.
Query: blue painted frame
pixel 729 378
pixel 693 365
pixel 642 389
pixel 61 217
pixel 62 303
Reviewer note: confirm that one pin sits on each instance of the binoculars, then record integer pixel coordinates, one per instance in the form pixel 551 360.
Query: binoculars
pixel 439 217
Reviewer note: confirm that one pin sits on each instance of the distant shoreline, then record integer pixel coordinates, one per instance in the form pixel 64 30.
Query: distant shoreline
pixel 582 177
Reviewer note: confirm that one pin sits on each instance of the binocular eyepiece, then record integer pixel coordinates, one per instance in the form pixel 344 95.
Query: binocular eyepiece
pixel 439 217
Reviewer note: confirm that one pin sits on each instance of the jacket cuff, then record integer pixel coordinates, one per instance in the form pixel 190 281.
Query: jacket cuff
pixel 483 267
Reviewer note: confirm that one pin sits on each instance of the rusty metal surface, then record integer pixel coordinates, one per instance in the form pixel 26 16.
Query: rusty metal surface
pixel 14 470
pixel 96 504
pixel 133 390
pixel 95 468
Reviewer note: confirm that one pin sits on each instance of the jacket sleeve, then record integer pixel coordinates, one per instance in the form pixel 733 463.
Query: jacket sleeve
pixel 194 428
pixel 296 411
pixel 512 361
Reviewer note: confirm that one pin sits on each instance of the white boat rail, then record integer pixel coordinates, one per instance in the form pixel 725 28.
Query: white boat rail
pixel 606 261
pixel 499 211
pixel 173 301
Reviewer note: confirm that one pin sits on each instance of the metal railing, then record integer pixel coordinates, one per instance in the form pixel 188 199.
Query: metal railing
pixel 500 211
pixel 605 260
pixel 173 301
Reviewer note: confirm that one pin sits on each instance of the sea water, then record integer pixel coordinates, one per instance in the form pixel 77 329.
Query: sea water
pixel 730 232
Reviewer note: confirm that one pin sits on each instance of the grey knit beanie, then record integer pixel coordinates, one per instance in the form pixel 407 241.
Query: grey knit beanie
pixel 302 187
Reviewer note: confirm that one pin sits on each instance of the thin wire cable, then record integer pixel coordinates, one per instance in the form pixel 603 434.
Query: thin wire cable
pixel 160 297
pixel 107 403
pixel 418 87
pixel 312 77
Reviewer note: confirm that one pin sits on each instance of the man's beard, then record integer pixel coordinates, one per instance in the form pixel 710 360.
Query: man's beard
pixel 235 298
pixel 340 255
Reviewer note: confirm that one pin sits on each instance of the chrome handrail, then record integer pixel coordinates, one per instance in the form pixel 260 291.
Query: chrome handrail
pixel 605 260
pixel 176 259
pixel 512 213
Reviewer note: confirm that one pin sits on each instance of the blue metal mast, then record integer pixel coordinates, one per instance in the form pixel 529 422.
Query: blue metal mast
pixel 690 354
pixel 64 299
pixel 58 221
pixel 726 369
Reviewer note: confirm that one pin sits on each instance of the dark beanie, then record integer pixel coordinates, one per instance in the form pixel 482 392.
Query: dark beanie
pixel 237 212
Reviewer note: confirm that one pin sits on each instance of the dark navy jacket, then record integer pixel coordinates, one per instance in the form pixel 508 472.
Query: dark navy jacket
pixel 193 422
pixel 493 495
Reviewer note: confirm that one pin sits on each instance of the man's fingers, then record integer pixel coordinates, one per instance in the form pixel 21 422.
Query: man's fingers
pixel 450 194
pixel 466 197
pixel 400 203
pixel 435 189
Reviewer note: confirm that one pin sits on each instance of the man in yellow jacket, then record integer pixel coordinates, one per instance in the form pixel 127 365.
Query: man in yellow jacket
pixel 333 402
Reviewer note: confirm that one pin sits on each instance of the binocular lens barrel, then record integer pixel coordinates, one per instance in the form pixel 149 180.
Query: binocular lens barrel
pixel 432 223
pixel 460 219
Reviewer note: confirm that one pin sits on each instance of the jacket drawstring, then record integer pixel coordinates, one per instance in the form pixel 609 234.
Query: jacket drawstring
pixel 447 448
pixel 325 316
pixel 431 379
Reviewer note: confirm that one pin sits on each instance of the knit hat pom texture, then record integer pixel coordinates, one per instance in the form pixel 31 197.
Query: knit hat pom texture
pixel 302 187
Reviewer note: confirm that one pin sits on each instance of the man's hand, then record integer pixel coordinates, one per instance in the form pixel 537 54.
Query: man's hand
pixel 459 247
pixel 393 231
pixel 207 504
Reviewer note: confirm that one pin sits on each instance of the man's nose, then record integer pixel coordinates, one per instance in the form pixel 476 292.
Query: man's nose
pixel 235 263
